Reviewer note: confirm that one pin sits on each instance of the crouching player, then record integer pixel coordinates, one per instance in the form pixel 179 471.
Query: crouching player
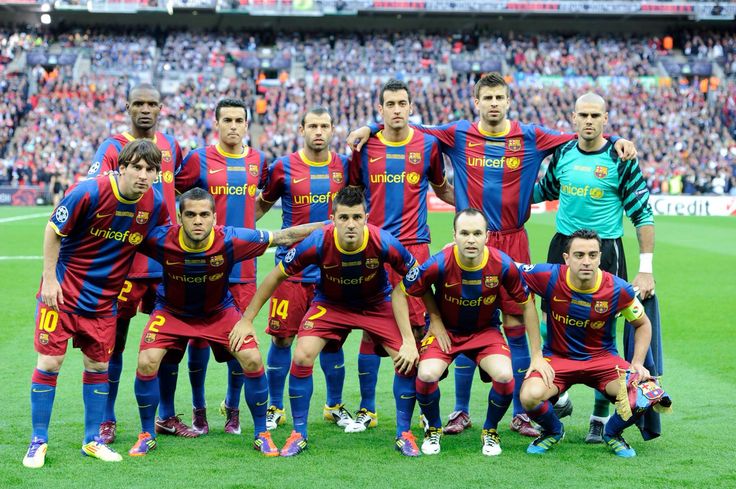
pixel 353 293
pixel 194 301
pixel 464 319
pixel 582 302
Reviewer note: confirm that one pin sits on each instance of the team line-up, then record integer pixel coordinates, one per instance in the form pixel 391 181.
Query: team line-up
pixel 353 253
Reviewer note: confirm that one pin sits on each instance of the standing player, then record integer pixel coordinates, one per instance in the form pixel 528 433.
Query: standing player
pixel 582 302
pixel 194 301
pixel 595 188
pixel 353 293
pixel 231 172
pixel 89 245
pixel 496 162
pixel 306 182
pixel 395 167
pixel 463 312
pixel 139 289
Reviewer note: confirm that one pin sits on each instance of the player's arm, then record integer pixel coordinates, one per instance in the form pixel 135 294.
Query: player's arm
pixel 436 325
pixel 400 306
pixel 548 187
pixel 408 355
pixel 51 293
pixel 446 192
pixel 244 327
pixel 262 206
pixel 537 363
pixel 273 188
pixel 294 234
pixel 636 316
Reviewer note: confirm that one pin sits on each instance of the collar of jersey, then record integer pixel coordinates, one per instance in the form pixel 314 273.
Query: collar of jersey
pixel 470 269
pixel 495 134
pixel 598 280
pixel 380 137
pixel 602 150
pixel 210 242
pixel 118 195
pixel 130 137
pixel 224 153
pixel 361 248
pixel 309 162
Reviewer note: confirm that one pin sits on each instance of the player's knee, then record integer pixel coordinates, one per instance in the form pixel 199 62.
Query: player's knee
pixel 93 366
pixel 147 363
pixel 250 360
pixel 531 394
pixel 503 376
pixel 304 357
pixel 282 342
pixel 49 363
pixel 428 374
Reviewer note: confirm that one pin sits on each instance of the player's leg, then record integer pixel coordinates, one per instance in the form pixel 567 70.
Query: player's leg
pixel 459 419
pixel 95 390
pixel 405 398
pixel 368 365
pixel 147 395
pixel 300 391
pixel 279 361
pixel 108 427
pixel 498 367
pixel 515 330
pixel 198 357
pixel 535 397
pixel 43 392
pixel 428 396
pixel 242 293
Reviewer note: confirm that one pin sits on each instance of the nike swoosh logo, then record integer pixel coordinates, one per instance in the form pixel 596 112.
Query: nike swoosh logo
pixel 295 397
pixel 555 299
pixel 166 428
pixel 327 267
pixel 102 216
pixel 297 180
pixel 100 393
pixel 340 366
pixel 261 403
pixel 495 404
pixel 404 396
pixel 212 172
pixel 521 370
pixel 273 368
pixel 447 286
pixel 41 391
pixel 473 145
pixel 504 348
pixel 364 373
pixel 372 160
pixel 174 262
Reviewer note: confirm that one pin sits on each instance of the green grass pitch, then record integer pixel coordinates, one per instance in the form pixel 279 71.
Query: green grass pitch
pixel 695 266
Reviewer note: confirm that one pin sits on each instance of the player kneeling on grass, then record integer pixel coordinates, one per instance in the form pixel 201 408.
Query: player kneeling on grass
pixel 582 302
pixel 463 319
pixel 353 292
pixel 194 301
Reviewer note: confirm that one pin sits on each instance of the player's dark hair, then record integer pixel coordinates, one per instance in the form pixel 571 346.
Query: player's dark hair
pixel 143 86
pixel 230 102
pixel 470 211
pixel 582 234
pixel 491 80
pixel 349 197
pixel 394 85
pixel 140 149
pixel 316 111
pixel 196 193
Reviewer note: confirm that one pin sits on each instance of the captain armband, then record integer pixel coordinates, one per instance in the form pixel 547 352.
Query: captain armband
pixel 634 311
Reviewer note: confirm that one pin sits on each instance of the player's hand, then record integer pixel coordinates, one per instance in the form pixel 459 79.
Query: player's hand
pixel 644 284
pixel 243 332
pixel 358 137
pixel 539 364
pixel 641 370
pixel 438 330
pixel 407 358
pixel 625 149
pixel 51 293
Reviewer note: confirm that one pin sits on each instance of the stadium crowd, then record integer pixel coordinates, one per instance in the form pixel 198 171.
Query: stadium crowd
pixel 51 123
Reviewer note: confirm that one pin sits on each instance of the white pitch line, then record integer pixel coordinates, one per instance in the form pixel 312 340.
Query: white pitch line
pixel 20 257
pixel 23 218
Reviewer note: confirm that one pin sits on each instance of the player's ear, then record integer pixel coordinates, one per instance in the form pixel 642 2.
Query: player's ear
pixel 178 217
pixel 566 257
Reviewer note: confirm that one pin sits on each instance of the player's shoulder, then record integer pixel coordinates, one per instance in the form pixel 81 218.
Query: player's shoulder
pixel 539 268
pixel 169 138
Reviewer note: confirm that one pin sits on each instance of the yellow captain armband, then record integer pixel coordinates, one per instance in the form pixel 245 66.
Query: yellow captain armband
pixel 634 311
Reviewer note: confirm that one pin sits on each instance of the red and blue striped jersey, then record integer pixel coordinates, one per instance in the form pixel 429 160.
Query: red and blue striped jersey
pixel 356 278
pixel 468 298
pixel 496 172
pixel 396 176
pixel 306 189
pixel 233 180
pixel 581 324
pixel 195 282
pixel 100 231
pixel 106 160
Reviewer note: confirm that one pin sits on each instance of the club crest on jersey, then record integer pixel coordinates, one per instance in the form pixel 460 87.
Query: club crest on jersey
pixel 600 307
pixel 491 281
pixel 512 163
pixel 415 157
pixel 217 260
pixel 43 338
pixel 513 144
pixel 371 263
pixel 166 155
pixel 275 324
pixel 149 338
pixel 253 169
pixel 142 217
pixel 601 171
pixel 337 176
pixel 308 324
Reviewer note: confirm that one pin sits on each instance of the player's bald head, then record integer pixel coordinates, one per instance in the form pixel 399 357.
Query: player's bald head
pixel 141 89
pixel 590 99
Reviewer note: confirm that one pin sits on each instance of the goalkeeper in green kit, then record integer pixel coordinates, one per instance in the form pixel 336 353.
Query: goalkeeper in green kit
pixel 595 187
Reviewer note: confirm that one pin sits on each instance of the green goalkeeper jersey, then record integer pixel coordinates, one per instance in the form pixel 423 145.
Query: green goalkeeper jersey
pixel 595 189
